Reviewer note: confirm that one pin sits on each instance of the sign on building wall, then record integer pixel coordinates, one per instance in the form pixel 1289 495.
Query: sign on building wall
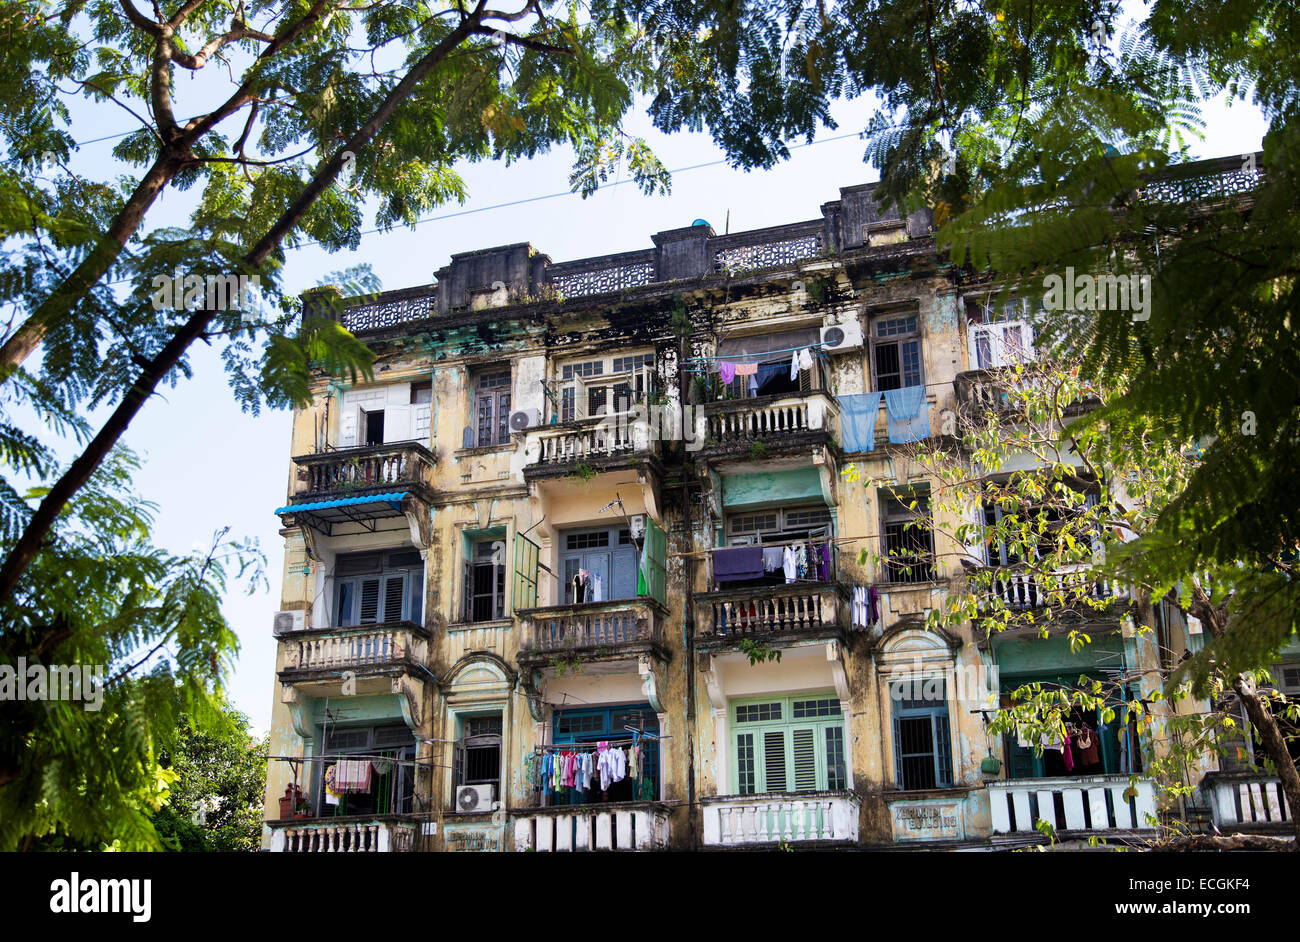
pixel 474 837
pixel 928 820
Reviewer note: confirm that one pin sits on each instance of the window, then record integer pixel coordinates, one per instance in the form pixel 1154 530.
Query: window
pixel 374 426
pixel 374 588
pixel 391 784
pixel 478 753
pixel 1001 334
pixel 789 745
pixel 806 529
pixel 922 743
pixel 607 555
pixel 896 352
pixel 772 354
pixel 1041 523
pixel 492 409
pixel 485 581
pixel 421 393
pixel 1096 747
pixel 605 386
pixel 907 544
pixel 588 725
pixel 775 526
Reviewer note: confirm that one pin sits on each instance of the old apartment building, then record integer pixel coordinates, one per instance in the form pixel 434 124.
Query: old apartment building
pixel 538 571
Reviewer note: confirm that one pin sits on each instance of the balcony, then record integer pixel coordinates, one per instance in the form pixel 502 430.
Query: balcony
pixel 741 820
pixel 781 424
pixel 1070 588
pixel 1247 800
pixel 592 631
pixel 370 834
pixel 359 485
pixel 596 445
pixel 1086 805
pixel 633 825
pixel 801 609
pixel 316 657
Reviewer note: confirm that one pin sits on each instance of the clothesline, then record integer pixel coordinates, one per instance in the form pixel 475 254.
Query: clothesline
pixel 817 540
pixel 593 746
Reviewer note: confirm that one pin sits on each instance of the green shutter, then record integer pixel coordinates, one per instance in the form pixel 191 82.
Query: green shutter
pixel 526 556
pixel 652 568
pixel 774 760
pixel 805 760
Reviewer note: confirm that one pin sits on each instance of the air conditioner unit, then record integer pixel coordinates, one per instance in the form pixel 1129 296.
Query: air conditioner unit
pixel 474 797
pixel 286 622
pixel 636 526
pixel 525 419
pixel 842 337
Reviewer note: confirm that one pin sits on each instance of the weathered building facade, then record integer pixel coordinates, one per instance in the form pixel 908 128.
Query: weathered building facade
pixel 583 507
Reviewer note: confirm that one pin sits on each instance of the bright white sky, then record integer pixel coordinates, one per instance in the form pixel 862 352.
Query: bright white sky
pixel 208 465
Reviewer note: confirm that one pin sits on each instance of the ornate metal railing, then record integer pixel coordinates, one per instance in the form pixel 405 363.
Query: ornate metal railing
pixel 603 275
pixel 391 308
pixel 768 248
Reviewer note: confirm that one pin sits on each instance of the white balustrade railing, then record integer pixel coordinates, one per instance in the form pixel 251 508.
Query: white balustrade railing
pixel 344 837
pixel 1025 590
pixel 1253 801
pixel 613 438
pixel 1089 803
pixel 781 417
pixel 636 826
pixel 761 819
pixel 350 648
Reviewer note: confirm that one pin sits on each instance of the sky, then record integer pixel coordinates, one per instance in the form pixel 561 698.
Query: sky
pixel 208 465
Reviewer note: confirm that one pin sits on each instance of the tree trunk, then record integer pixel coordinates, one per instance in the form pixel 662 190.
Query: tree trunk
pixel 32 331
pixel 1265 723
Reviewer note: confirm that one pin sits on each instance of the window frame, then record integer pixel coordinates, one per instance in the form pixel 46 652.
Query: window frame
pixel 498 594
pixel 411 573
pixel 878 341
pixel 592 373
pixel 497 397
pixel 753 770
pixel 940 717
pixel 895 570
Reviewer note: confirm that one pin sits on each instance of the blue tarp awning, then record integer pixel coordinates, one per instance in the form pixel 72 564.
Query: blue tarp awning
pixel 392 499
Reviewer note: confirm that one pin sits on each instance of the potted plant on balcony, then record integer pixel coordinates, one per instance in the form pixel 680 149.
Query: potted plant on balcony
pixel 303 809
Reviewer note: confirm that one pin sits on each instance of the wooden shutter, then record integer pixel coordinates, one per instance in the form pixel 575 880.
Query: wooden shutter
pixel 526 566
pixel 457 764
pixel 394 590
pixel 652 579
pixel 746 783
pixel 898 751
pixel 348 425
pixel 805 760
pixel 942 750
pixel 774 760
pixel 369 593
pixel 467 576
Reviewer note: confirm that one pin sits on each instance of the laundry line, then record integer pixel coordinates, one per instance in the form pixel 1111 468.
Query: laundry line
pixel 694 554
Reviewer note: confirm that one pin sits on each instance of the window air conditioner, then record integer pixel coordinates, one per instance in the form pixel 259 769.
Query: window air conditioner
pixel 524 419
pixel 286 622
pixel 474 797
pixel 837 337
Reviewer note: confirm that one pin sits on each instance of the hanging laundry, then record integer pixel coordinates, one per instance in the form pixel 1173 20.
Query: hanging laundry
pixel 726 372
pixel 753 385
pixel 801 560
pixel 746 369
pixel 805 359
pixel 908 414
pixel 605 764
pixel 824 562
pixel 790 565
pixel 858 607
pixel 794 365
pixel 858 414
pixel 873 606
pixel 597 588
pixel 352 775
pixel 773 558
pixel 737 563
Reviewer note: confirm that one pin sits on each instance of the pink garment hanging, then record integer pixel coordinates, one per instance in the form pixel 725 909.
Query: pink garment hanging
pixel 726 371
pixel 746 369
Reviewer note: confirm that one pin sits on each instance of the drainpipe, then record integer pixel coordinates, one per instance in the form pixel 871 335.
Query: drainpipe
pixel 688 628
